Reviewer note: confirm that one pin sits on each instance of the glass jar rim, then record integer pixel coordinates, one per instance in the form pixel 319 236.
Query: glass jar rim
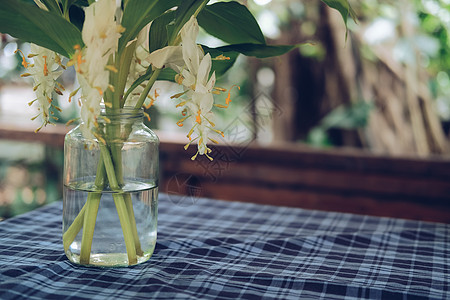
pixel 127 113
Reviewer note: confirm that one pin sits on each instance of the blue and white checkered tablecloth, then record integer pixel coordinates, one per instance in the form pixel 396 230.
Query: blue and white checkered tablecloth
pixel 214 249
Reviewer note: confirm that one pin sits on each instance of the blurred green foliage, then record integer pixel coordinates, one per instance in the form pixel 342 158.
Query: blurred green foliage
pixel 29 177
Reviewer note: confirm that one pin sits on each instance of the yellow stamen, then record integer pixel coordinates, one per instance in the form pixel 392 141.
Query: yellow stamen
pixel 181 104
pixel 218 131
pixel 24 62
pixel 197 118
pixel 77 59
pixel 49 99
pixel 111 88
pixel 106 119
pixel 188 144
pixel 179 79
pixel 99 90
pixel 206 154
pixel 45 65
pixel 178 95
pixel 120 29
pixel 195 156
pixel 152 99
pixel 108 104
pixel 213 140
pixel 61 87
pixel 70 122
pixel 25 75
pixel 209 121
pixel 111 68
pixel 37 130
pixel 73 94
pixel 102 140
pixel 58 91
pixel 190 132
pixel 221 105
pixel 31 102
pixel 180 122
pixel 222 57
pixel 147 116
pixel 57 108
pixel 147 106
pixel 228 99
pixel 36 87
pixel 58 61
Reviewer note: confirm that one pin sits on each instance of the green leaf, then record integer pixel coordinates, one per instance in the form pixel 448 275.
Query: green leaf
pixel 231 22
pixel 66 4
pixel 76 15
pixel 185 10
pixel 83 3
pixel 25 21
pixel 167 75
pixel 137 82
pixel 343 7
pixel 138 13
pixel 52 6
pixel 221 66
pixel 256 50
pixel 158 35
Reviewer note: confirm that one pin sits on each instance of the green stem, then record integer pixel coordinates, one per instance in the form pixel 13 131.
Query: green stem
pixel 147 88
pixel 75 227
pixel 90 215
pixel 120 205
pixel 90 218
pixel 117 158
pixel 122 75
pixel 132 218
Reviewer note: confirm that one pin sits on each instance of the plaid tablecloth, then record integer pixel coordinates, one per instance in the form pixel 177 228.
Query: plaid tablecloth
pixel 210 249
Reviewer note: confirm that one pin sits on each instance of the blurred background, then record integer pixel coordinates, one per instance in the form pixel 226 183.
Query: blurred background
pixel 383 87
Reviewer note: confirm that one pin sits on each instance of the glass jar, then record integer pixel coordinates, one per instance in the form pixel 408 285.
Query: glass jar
pixel 111 191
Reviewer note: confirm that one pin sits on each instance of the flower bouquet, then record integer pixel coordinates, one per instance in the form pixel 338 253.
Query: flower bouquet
pixel 119 49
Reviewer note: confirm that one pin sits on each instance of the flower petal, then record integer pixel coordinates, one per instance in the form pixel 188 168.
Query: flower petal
pixel 171 55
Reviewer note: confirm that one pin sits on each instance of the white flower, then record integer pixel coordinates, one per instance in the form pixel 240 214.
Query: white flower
pixel 171 56
pixel 198 84
pixel 100 34
pixel 90 107
pixel 138 65
pixel 188 54
pixel 45 71
pixel 193 68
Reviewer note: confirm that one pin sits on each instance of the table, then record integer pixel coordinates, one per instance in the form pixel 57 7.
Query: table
pixel 211 249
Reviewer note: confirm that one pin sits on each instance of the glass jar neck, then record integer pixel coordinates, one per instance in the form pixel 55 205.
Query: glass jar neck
pixel 127 115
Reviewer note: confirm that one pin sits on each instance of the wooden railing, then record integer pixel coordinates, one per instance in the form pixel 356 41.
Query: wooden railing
pixel 296 176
